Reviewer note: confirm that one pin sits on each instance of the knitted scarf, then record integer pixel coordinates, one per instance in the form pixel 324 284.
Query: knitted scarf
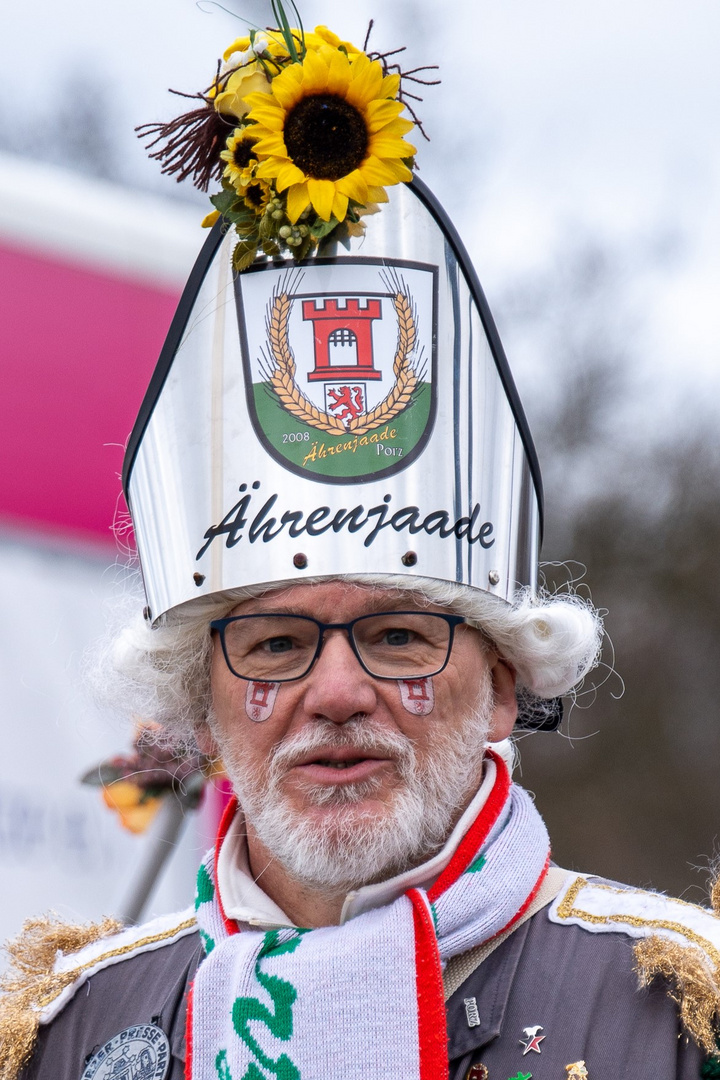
pixel 364 999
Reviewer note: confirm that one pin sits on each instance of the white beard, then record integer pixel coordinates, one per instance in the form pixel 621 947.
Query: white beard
pixel 351 847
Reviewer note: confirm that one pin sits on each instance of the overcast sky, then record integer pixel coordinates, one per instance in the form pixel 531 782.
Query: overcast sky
pixel 555 120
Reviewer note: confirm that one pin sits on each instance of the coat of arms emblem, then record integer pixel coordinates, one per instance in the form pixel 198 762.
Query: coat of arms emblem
pixel 339 364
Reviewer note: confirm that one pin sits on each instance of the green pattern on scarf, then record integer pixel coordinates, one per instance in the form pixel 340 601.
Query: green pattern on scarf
pixel 280 1022
pixel 204 890
pixel 251 1073
pixel 208 943
pixel 221 1066
pixel 475 868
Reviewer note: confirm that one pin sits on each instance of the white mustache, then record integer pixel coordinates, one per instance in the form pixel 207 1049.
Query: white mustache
pixel 356 736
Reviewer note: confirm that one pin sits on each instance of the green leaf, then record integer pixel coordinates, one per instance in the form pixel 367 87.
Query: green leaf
pixel 244 255
pixel 304 249
pixel 320 228
pixel 224 200
pixel 279 13
pixel 267 227
pixel 245 223
pixel 271 248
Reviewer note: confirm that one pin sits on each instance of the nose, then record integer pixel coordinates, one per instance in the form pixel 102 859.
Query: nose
pixel 337 687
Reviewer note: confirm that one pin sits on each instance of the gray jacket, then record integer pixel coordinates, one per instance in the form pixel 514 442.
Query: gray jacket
pixel 579 987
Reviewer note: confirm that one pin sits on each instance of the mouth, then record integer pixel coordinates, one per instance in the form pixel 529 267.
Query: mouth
pixel 338 764
pixel 340 767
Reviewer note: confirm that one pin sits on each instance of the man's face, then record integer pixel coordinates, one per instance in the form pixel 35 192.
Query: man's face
pixel 343 760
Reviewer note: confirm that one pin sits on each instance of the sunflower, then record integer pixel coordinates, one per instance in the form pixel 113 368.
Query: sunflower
pixel 241 158
pixel 330 131
pixel 256 195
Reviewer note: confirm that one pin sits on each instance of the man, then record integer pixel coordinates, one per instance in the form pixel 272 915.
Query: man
pixel 380 901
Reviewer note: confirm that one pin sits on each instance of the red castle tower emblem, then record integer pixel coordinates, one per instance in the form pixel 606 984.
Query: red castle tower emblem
pixel 336 327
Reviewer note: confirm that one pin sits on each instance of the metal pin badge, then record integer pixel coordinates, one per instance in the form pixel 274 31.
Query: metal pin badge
pixel 142 1050
pixel 576 1071
pixel 471 1011
pixel 532 1039
pixel 477 1072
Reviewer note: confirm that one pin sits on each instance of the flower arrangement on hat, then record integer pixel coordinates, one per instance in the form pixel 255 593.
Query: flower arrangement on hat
pixel 304 131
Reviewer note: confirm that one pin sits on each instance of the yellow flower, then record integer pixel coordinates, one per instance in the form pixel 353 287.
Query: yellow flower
pixel 240 157
pixel 249 76
pixel 135 809
pixel 323 36
pixel 250 79
pixel 330 130
pixel 272 42
pixel 257 195
pixel 209 220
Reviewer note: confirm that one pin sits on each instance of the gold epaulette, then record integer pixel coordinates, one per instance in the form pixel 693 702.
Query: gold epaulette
pixel 676 941
pixel 33 981
pixel 51 959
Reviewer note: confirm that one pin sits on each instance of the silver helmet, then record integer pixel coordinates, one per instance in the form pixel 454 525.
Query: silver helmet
pixel 352 413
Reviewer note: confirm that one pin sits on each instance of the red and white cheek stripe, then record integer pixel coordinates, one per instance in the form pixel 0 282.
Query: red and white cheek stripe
pixel 417 696
pixel 260 700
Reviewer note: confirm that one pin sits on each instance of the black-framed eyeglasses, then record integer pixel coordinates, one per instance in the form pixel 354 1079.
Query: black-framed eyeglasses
pixel 388 644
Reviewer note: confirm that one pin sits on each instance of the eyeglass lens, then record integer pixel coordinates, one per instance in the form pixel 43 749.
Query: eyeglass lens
pixel 392 645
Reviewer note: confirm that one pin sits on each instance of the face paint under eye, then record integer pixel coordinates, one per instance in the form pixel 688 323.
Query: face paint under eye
pixel 417 696
pixel 260 700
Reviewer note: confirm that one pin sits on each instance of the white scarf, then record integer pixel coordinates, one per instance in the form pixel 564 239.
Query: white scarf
pixel 363 1000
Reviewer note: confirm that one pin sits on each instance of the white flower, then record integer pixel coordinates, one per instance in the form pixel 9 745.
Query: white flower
pixel 237 59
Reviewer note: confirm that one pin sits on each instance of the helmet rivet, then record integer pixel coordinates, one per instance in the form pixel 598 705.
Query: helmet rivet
pixel 147 614
pixel 409 558
pixel 198 578
pixel 300 561
pixel 493 577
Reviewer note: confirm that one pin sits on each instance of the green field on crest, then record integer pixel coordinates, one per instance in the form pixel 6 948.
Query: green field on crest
pixel 348 455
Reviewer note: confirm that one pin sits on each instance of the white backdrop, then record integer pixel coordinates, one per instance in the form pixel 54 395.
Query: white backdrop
pixel 60 847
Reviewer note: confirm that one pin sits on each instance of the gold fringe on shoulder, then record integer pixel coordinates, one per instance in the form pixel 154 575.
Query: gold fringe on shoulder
pixel 715 895
pixel 31 981
pixel 693 980
pixel 693 984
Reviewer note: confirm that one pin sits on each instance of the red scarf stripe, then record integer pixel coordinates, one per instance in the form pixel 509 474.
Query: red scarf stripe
pixel 432 1022
pixel 478 832
pixel 533 894
pixel 189 1034
pixel 225 822
pixel 521 911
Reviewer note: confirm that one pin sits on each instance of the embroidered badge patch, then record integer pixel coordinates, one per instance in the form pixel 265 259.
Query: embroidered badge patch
pixel 339 364
pixel 141 1052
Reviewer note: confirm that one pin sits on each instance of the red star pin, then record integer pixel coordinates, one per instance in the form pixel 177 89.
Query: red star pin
pixel 532 1039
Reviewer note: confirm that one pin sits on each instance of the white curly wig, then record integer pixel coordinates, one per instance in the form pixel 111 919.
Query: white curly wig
pixel 163 673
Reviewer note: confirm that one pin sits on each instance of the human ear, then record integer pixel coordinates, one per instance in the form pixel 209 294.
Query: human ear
pixel 206 741
pixel 505 706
